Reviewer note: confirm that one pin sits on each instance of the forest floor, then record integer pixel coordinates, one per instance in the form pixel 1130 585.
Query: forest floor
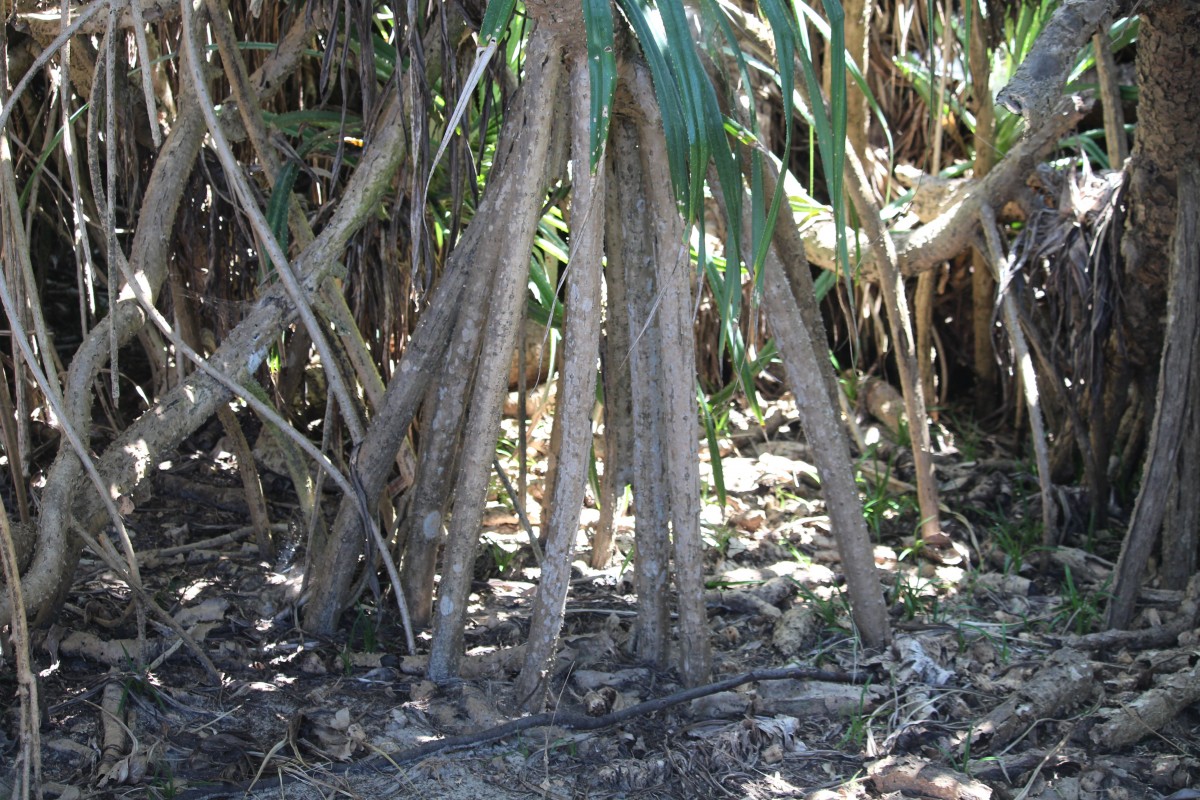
pixel 997 683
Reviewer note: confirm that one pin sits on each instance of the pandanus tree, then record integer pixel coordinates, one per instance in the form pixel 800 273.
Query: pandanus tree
pixel 180 182
pixel 622 108
pixel 628 116
pixel 618 107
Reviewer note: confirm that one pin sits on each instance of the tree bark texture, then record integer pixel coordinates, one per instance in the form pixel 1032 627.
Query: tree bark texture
pixel 576 389
pixel 1181 528
pixel 1037 85
pixel 630 254
pixel 518 189
pixel 789 301
pixel 1177 390
pixel 618 412
pixel 858 45
pixel 469 264
pixel 674 278
pixel 624 175
pixel 809 371
pixel 1168 135
pixel 983 287
pixel 446 407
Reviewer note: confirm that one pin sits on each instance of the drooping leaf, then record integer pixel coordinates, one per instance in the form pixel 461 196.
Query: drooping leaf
pixel 647 26
pixel 602 70
pixel 714 446
pixel 277 209
pixel 495 21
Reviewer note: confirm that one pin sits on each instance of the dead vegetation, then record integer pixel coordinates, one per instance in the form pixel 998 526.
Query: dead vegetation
pixel 995 683
pixel 439 400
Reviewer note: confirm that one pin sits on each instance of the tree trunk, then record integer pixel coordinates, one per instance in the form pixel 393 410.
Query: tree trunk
pixel 858 45
pixel 682 417
pixel 632 285
pixel 983 288
pixel 1168 135
pixel 794 316
pixel 441 439
pixel 1176 401
pixel 517 192
pixel 576 390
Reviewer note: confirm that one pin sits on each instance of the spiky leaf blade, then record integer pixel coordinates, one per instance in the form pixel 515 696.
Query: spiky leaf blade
pixel 602 70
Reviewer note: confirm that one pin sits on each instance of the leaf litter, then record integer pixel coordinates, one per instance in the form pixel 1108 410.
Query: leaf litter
pixel 997 684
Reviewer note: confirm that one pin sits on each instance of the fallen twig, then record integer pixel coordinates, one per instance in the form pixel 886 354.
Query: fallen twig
pixel 576 722
pixel 582 722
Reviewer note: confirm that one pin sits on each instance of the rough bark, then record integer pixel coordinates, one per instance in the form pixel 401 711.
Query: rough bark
pixel 517 192
pixel 1168 135
pixel 983 287
pixel 950 234
pixel 423 358
pixel 1149 713
pixel 440 442
pixel 576 391
pixel 1176 399
pixel 630 250
pixel 616 346
pixel 789 301
pixel 333 571
pixel 674 278
pixel 1181 528
pixel 1066 681
pixel 809 374
pixel 1037 86
pixel 618 412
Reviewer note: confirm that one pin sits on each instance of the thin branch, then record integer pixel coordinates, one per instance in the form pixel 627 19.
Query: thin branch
pixel 1037 85
pixel 267 240
pixel 29 757
pixel 143 48
pixel 582 722
pixel 47 54
pixel 512 495
pixel 1024 362
pixel 299 297
pixel 900 322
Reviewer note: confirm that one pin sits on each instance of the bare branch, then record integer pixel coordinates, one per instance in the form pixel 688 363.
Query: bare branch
pixel 1036 88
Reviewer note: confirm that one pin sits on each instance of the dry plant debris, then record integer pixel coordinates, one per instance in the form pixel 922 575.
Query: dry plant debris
pixel 993 687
